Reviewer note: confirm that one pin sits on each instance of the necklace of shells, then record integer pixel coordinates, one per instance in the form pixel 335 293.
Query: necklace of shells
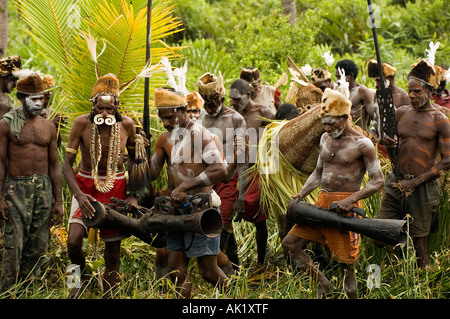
pixel 105 185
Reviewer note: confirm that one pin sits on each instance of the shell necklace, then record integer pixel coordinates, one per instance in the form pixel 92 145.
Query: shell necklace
pixel 106 184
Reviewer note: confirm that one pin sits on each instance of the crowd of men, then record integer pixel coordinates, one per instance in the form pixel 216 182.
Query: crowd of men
pixel 207 148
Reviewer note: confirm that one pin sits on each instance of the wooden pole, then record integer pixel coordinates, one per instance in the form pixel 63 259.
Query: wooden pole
pixel 146 114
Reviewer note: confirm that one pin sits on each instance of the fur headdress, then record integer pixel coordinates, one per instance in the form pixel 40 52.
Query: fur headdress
pixel 194 100
pixel 49 81
pixel 32 84
pixel 334 103
pixel 319 75
pixel 106 85
pixel 168 98
pixel 250 75
pixel 443 74
pixel 372 67
pixel 208 85
pixel 10 64
pixel 424 70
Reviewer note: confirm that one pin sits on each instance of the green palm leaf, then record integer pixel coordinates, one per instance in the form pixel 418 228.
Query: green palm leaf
pixel 60 30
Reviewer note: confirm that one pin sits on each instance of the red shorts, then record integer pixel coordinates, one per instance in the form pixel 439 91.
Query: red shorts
pixel 254 213
pixel 228 193
pixel 86 184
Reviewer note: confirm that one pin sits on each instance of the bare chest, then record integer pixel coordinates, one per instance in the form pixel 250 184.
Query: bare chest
pixel 35 132
pixel 417 126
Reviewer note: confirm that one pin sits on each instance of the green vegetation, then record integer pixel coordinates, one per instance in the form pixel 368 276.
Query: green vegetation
pixel 225 36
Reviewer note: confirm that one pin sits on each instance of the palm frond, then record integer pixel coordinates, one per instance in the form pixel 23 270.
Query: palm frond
pixel 122 28
pixel 278 178
pixel 51 25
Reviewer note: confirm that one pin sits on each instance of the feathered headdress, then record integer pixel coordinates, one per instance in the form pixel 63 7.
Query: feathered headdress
pixel 424 70
pixel 175 75
pixel 372 68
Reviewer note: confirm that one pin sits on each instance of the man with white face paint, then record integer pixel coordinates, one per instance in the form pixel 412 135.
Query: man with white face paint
pixel 345 156
pixel 31 183
pixel 102 137
pixel 194 165
pixel 230 128
pixel 254 115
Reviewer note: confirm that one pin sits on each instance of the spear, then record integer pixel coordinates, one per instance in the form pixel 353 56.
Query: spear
pixel 146 114
pixel 385 101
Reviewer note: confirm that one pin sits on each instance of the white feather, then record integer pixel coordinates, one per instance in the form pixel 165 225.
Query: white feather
pixel 168 69
pixel 447 76
pixel 23 73
pixel 306 69
pixel 329 60
pixel 148 70
pixel 431 53
pixel 180 75
pixel 91 42
pixel 342 83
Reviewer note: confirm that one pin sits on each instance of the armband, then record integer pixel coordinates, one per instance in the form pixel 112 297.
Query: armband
pixel 212 156
pixel 204 178
pixel 71 150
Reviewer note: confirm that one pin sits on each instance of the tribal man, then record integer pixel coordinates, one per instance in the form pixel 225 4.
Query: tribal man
pixel 102 137
pixel 423 144
pixel 254 115
pixel 363 109
pixel 31 183
pixel 195 165
pixel 399 95
pixel 261 94
pixel 344 158
pixel 8 66
pixel 228 125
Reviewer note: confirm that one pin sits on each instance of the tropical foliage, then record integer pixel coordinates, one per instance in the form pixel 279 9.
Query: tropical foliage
pixel 80 40
pixel 225 36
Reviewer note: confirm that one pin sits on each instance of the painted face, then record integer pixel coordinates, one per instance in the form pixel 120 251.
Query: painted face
pixel 333 125
pixel 387 83
pixel 417 94
pixel 34 104
pixel 104 110
pixel 194 113
pixel 238 100
pixel 213 105
pixel 169 118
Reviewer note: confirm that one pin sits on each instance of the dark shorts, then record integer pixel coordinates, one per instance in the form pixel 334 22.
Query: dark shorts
pixel 420 205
